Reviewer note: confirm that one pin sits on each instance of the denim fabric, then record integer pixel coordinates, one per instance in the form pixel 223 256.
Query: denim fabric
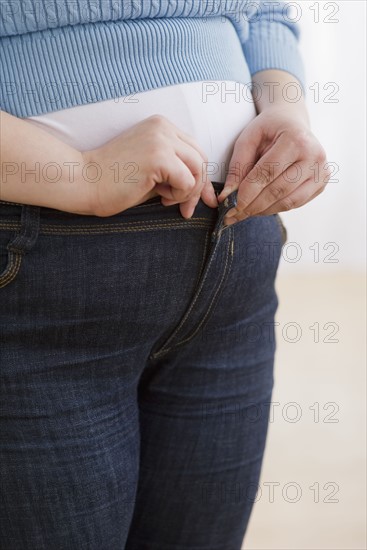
pixel 136 376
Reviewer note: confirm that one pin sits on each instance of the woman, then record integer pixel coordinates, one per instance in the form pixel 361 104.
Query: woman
pixel 139 243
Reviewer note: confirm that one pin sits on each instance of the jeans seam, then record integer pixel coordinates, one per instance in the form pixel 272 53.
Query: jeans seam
pixel 12 268
pixel 132 223
pixel 210 307
pixel 196 218
pixel 215 239
pixel 165 349
pixel 195 299
pixel 106 231
pixel 54 230
pixel 8 202
pixel 203 257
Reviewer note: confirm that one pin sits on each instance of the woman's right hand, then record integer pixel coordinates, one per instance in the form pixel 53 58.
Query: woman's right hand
pixel 152 158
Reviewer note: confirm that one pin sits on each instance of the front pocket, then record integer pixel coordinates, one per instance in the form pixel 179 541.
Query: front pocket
pixel 21 239
pixel 10 262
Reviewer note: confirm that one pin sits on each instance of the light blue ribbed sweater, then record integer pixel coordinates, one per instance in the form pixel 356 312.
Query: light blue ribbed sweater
pixel 56 54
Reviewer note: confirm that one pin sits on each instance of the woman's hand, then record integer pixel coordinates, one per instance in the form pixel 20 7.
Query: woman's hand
pixel 152 158
pixel 277 163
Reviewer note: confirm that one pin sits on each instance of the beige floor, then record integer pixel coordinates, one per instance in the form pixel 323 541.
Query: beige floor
pixel 322 447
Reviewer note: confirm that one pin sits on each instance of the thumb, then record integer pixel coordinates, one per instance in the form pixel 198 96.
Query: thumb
pixel 208 195
pixel 243 159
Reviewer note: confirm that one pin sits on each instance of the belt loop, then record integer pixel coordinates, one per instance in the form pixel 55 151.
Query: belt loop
pixel 27 235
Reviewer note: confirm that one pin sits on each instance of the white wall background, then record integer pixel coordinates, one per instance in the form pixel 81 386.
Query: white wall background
pixel 314 370
pixel 334 51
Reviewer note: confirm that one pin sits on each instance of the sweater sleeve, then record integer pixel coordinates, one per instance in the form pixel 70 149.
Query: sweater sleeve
pixel 272 39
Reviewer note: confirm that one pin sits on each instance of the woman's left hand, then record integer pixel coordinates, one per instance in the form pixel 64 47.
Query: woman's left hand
pixel 277 165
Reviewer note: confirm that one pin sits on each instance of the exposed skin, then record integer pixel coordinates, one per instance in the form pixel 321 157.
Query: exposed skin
pixel 273 162
pixel 272 165
pixel 150 153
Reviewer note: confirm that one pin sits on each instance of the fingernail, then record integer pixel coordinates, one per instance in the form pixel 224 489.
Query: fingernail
pixel 226 191
pixel 190 215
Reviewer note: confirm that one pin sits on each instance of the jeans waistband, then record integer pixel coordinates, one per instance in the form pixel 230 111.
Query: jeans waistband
pixel 29 220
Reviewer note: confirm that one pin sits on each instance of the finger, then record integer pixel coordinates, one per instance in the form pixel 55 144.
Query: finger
pixel 165 191
pixel 195 164
pixel 175 180
pixel 187 208
pixel 189 140
pixel 195 159
pixel 244 157
pixel 208 194
pixel 275 208
pixel 270 167
pixel 301 196
pixel 168 202
pixel 294 176
pixel 187 197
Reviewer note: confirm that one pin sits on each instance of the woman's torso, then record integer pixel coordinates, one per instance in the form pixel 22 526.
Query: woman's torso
pixel 192 71
pixel 213 113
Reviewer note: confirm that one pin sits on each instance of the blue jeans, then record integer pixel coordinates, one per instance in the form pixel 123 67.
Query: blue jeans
pixel 136 376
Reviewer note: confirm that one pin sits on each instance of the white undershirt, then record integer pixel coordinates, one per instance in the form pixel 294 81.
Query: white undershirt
pixel 214 113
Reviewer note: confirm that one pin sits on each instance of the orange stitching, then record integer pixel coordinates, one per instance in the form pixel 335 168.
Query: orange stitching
pixel 130 223
pixel 8 202
pixel 203 257
pixel 11 225
pixel 194 300
pixel 170 222
pixel 12 271
pixel 212 301
pixel 64 233
pixel 165 349
pixel 127 222
pixel 60 233
pixel 80 231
